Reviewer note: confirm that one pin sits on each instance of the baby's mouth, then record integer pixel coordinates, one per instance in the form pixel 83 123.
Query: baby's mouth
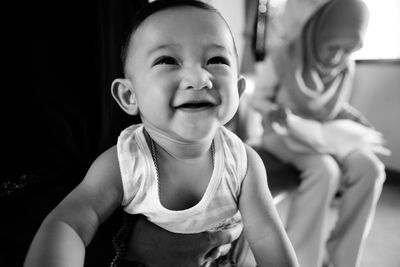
pixel 195 105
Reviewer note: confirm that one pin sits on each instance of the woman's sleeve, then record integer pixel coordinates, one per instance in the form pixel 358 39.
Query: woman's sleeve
pixel 351 113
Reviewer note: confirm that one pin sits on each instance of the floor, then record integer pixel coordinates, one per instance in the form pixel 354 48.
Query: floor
pixel 383 243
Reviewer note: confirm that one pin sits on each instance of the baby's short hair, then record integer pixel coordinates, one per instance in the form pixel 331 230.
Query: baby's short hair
pixel 159 5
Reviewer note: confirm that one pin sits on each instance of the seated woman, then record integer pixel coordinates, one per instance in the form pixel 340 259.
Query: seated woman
pixel 309 82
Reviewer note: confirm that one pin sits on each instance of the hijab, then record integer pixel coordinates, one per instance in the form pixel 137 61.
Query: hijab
pixel 315 86
pixel 338 20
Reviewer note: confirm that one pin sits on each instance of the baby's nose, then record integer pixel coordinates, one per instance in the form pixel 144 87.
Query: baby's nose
pixel 197 78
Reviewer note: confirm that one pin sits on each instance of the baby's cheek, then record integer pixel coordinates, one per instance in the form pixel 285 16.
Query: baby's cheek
pixel 226 112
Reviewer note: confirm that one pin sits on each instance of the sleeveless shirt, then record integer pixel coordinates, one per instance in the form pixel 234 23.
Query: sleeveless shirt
pixel 218 207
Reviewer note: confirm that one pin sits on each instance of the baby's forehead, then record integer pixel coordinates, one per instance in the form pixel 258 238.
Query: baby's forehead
pixel 212 22
pixel 174 15
pixel 206 24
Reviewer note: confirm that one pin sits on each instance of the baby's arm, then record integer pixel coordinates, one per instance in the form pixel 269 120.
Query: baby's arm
pixel 262 225
pixel 64 234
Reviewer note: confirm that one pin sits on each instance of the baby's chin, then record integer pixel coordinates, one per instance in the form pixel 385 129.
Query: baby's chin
pixel 197 134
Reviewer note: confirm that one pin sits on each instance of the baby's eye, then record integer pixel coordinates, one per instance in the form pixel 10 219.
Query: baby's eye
pixel 218 60
pixel 165 60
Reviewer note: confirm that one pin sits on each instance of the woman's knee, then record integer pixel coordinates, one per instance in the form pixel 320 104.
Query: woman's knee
pixel 325 170
pixel 366 166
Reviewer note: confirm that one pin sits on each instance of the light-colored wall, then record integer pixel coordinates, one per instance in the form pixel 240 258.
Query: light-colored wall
pixel 234 13
pixel 377 96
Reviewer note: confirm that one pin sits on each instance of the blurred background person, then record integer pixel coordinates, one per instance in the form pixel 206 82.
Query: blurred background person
pixel 306 82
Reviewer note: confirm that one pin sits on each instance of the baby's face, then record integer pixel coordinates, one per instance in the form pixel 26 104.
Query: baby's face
pixel 183 68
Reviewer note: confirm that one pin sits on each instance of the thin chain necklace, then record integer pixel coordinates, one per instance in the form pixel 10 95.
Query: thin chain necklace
pixel 155 159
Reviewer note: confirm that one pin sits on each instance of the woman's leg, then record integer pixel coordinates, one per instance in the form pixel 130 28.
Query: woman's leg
pixel 364 175
pixel 320 175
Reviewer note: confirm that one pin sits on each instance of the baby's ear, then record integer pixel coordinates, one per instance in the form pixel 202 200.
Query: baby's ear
pixel 241 85
pixel 122 91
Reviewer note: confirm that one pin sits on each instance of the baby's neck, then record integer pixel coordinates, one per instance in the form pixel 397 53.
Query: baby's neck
pixel 179 149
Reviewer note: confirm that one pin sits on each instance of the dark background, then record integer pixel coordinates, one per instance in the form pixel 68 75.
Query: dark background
pixel 58 59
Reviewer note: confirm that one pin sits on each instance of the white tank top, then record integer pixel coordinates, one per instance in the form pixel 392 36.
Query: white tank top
pixel 218 208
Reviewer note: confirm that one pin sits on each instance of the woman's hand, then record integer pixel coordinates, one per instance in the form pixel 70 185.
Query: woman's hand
pixel 279 115
pixel 155 246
